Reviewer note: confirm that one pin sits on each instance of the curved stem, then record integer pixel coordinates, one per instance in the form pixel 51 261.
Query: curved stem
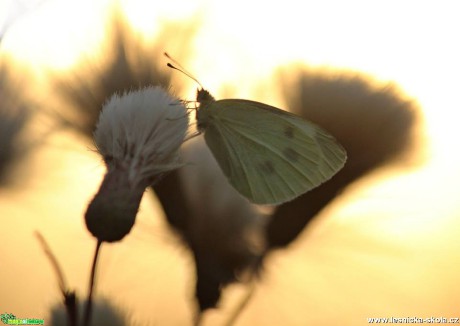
pixel 89 301
pixel 68 296
pixel 242 305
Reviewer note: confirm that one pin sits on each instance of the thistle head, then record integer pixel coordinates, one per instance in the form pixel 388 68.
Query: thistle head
pixel 138 135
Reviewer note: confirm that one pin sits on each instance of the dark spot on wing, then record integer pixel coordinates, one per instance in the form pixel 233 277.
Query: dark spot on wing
pixel 267 167
pixel 289 132
pixel 291 154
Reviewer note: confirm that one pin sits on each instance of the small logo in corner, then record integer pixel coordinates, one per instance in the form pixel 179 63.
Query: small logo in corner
pixel 10 319
pixel 4 317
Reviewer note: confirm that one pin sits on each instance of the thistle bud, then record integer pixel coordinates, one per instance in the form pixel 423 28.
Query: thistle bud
pixel 138 136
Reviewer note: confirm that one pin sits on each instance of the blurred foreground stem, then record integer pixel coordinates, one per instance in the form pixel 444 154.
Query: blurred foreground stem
pixel 89 301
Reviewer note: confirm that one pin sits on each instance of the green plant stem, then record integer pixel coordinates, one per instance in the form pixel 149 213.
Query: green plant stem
pixel 89 301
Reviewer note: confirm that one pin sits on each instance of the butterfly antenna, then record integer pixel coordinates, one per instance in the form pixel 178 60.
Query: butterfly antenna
pixel 166 54
pixel 180 68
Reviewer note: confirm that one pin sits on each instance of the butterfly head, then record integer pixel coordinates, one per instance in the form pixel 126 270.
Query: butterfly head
pixel 203 97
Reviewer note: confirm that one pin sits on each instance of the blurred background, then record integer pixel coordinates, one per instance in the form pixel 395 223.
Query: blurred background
pixel 379 75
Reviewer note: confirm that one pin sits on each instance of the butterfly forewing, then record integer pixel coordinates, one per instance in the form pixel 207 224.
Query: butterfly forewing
pixel 270 156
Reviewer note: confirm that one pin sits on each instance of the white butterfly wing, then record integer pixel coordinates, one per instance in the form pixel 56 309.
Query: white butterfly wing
pixel 270 156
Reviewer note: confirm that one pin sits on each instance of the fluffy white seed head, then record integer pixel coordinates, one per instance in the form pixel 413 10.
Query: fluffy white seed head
pixel 138 135
pixel 142 131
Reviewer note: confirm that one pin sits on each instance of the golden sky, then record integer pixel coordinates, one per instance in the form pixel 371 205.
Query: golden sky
pixel 403 262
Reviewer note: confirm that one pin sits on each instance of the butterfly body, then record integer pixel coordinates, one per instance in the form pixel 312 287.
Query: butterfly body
pixel 269 155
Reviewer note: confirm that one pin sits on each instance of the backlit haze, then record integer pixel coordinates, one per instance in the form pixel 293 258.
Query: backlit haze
pixel 388 246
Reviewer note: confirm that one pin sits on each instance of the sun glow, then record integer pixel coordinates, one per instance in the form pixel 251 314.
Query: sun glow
pixel 55 33
pixel 385 229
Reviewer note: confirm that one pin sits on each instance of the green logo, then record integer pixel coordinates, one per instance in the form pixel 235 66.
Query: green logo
pixel 10 319
pixel 4 317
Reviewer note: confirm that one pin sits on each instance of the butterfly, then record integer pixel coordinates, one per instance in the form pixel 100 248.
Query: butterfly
pixel 269 156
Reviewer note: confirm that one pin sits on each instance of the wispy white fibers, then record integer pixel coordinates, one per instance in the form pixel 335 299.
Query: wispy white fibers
pixel 142 131
pixel 138 135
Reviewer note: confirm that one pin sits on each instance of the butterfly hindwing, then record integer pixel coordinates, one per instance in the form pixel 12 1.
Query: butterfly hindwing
pixel 270 156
